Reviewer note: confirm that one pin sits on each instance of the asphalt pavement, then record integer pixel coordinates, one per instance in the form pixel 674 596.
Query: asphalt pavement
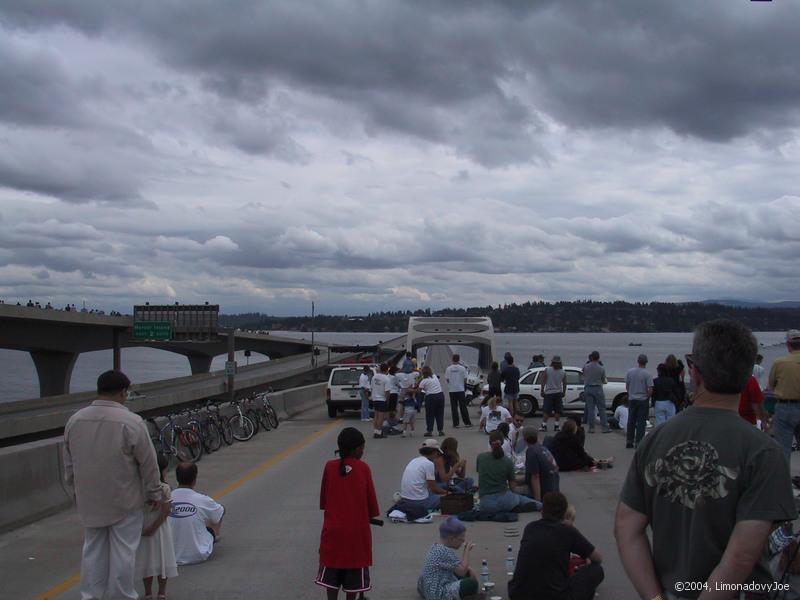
pixel 270 487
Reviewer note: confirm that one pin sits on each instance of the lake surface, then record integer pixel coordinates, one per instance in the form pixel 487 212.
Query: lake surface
pixel 18 378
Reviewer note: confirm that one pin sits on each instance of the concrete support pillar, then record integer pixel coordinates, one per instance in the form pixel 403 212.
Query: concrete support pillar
pixel 200 363
pixel 117 351
pixel 55 371
pixel 484 357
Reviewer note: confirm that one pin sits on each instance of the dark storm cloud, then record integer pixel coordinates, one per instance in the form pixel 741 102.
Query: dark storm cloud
pixel 715 70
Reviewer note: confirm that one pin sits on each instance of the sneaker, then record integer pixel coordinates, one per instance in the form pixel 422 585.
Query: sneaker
pixel 441 433
pixel 425 519
pixel 591 430
pixel 403 434
pixel 366 420
pixel 396 496
pixel 456 426
pixel 629 445
pixel 542 427
pixel 427 434
pixel 378 436
pixel 606 430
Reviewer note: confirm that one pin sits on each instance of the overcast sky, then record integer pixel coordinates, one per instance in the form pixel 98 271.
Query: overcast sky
pixel 373 155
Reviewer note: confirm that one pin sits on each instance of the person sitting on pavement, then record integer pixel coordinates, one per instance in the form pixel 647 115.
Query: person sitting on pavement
pixel 493 414
pixel 517 433
pixel 543 561
pixel 505 429
pixel 445 576
pixel 495 476
pixel 568 450
pixel 195 519
pixel 451 469
pixel 541 468
pixel 620 418
pixel 418 486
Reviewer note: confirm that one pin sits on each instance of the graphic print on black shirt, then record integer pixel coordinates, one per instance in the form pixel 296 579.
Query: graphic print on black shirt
pixel 689 473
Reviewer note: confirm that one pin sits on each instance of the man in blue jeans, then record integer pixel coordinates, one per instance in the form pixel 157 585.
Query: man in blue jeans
pixel 639 384
pixel 364 387
pixel 784 379
pixel 594 376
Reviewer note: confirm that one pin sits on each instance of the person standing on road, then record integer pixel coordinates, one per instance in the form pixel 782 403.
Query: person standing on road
pixel 594 378
pixel 639 385
pixel 784 380
pixel 665 395
pixel 456 377
pixel 709 485
pixel 379 387
pixel 510 375
pixel 347 495
pixel 553 389
pixel 493 381
pixel 364 390
pixel 110 469
pixel 434 401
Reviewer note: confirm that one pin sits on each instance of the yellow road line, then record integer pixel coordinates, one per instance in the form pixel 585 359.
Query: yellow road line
pixel 252 474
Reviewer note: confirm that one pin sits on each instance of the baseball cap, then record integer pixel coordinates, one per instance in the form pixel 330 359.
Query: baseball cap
pixel 793 335
pixel 642 358
pixel 431 443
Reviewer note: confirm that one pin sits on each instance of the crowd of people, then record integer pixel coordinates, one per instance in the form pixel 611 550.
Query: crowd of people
pixel 67 308
pixel 705 489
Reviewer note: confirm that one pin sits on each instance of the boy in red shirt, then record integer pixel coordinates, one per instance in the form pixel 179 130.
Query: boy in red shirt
pixel 347 496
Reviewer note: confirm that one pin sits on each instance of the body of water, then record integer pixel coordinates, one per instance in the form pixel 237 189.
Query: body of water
pixel 18 378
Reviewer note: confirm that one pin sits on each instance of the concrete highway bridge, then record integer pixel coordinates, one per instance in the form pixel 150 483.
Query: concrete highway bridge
pixel 54 340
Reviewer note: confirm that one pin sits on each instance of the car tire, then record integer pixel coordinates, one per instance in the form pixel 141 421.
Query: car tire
pixel 527 405
pixel 332 411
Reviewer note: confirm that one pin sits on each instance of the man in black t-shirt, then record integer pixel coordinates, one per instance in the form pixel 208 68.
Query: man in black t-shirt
pixel 510 376
pixel 543 561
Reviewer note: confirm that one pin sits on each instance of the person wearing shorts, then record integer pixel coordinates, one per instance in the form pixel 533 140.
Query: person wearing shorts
pixel 409 404
pixel 347 495
pixel 553 388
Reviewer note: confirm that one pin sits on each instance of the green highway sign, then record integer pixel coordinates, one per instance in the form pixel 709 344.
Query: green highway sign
pixel 152 330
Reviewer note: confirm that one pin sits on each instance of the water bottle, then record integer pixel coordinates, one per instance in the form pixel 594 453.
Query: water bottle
pixel 510 561
pixel 484 571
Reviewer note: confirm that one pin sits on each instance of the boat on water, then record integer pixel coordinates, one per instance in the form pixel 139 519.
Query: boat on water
pixel 634 343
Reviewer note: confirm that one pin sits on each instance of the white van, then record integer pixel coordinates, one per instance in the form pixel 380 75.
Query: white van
pixel 342 391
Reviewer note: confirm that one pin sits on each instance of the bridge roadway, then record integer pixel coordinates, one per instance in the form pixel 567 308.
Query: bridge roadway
pixel 25 417
pixel 270 537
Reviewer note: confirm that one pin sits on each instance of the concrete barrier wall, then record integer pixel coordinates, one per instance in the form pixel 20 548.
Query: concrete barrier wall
pixel 31 483
pixel 31 475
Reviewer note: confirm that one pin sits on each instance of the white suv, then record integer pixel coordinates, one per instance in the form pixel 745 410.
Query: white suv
pixel 342 392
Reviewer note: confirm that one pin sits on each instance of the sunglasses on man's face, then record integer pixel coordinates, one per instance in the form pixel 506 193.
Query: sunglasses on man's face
pixel 690 362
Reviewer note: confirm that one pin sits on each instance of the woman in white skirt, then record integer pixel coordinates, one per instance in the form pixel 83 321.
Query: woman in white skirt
pixel 156 554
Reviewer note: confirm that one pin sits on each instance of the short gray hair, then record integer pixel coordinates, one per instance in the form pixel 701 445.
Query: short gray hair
pixel 451 527
pixel 724 352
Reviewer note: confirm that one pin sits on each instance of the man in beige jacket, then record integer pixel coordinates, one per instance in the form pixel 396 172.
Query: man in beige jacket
pixel 110 469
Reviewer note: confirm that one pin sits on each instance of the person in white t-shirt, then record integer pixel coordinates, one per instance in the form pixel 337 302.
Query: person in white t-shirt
pixel 364 391
pixel 418 485
pixel 456 376
pixel 195 519
pixel 380 399
pixel 493 414
pixel 434 401
pixel 621 415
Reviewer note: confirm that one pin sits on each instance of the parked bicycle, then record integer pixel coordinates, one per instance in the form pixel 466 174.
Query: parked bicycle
pixel 175 440
pixel 220 422
pixel 210 436
pixel 242 427
pixel 266 413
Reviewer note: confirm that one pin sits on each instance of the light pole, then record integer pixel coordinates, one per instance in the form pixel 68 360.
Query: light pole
pixel 312 333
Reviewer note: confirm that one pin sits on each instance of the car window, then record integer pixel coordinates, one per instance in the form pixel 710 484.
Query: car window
pixel 574 377
pixel 539 377
pixel 528 379
pixel 345 377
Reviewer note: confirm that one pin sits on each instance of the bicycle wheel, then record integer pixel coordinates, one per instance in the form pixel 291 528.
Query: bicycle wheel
pixel 272 416
pixel 262 419
pixel 211 437
pixel 188 446
pixel 225 430
pixel 253 416
pixel 242 427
